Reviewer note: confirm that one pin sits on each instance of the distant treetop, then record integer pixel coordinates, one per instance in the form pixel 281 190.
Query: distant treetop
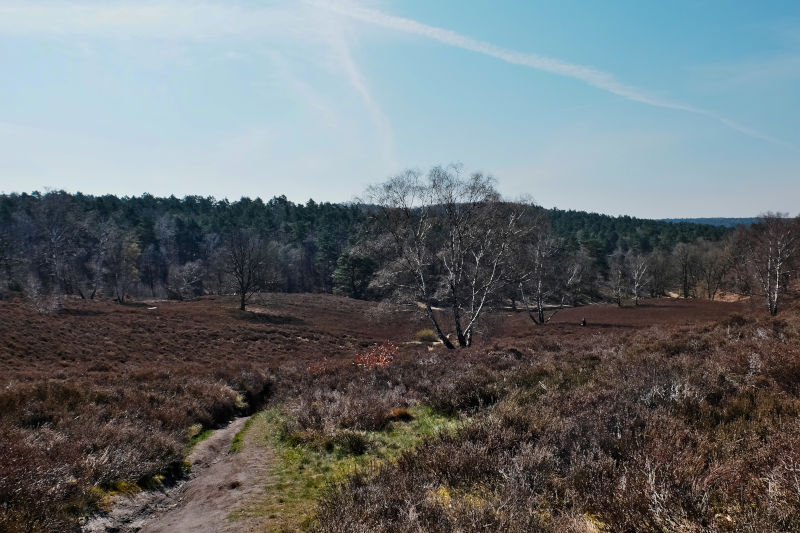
pixel 725 222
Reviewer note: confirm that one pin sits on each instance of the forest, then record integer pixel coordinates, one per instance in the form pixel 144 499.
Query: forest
pixel 57 244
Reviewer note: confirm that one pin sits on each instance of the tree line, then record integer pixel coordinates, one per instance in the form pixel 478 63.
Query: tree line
pixel 441 239
pixel 58 244
pixel 450 243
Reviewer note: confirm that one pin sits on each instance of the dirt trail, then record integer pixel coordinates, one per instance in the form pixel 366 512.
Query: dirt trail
pixel 219 484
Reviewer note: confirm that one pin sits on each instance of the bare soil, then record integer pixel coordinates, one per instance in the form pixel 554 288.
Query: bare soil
pixel 220 482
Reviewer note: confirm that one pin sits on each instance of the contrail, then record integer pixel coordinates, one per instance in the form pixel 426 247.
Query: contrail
pixel 595 78
pixel 356 79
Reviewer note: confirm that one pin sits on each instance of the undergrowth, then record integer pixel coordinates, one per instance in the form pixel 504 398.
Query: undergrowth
pixel 571 429
pixel 662 430
pixel 308 464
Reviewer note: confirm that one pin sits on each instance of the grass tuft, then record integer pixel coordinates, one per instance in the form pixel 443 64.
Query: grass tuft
pixel 426 335
pixel 197 435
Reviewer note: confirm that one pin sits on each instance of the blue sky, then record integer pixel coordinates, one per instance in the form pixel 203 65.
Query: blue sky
pixel 653 109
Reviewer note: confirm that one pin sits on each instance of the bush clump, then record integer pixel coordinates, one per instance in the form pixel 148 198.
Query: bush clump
pixel 426 335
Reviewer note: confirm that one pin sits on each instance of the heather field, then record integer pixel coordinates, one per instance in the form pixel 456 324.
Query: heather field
pixel 677 415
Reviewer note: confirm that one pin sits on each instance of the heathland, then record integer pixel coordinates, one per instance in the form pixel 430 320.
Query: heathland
pixel 671 415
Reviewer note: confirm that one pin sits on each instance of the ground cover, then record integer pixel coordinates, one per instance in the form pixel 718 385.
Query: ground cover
pixel 102 395
pixel 307 465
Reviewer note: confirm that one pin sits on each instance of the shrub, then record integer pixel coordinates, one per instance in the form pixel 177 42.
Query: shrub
pixel 652 430
pixel 351 443
pixel 380 355
pixel 400 414
pixel 426 335
pixel 317 368
pixel 476 388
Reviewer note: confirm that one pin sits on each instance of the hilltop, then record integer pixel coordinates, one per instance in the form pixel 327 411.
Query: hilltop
pixel 725 222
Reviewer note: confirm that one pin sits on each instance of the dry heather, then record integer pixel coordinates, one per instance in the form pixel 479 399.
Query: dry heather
pixel 636 428
pixel 100 397
pixel 662 429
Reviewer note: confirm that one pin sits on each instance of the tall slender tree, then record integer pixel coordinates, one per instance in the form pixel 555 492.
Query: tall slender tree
pixel 545 271
pixel 772 247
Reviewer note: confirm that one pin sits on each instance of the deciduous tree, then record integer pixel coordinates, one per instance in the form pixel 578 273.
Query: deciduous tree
pixel 448 239
pixel 713 263
pixel 247 263
pixel 544 270
pixel 771 248
pixel 637 267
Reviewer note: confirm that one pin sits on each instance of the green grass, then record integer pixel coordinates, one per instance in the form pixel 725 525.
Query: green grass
pixel 303 469
pixel 196 435
pixel 237 442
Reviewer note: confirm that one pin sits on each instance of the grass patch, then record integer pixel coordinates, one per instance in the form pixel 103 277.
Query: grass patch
pixel 238 439
pixel 197 435
pixel 304 467
pixel 123 487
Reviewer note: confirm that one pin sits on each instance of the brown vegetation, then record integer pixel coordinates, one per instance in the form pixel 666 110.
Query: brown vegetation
pixel 101 393
pixel 613 420
pixel 660 429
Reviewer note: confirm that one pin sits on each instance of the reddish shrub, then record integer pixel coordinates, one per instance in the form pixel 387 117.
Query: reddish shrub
pixel 378 356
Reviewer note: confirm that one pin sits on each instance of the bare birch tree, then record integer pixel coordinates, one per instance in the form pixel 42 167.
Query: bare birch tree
pixel 448 239
pixel 97 246
pixel 637 266
pixel 661 273
pixel 618 276
pixel 58 238
pixel 122 251
pixel 713 264
pixel 185 281
pixel 771 248
pixel 545 272
pixel 6 258
pixel 685 260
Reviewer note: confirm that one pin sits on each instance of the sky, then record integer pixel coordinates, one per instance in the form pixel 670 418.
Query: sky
pixel 650 109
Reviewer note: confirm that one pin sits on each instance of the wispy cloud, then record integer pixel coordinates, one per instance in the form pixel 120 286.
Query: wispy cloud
pixel 168 19
pixel 282 23
pixel 304 24
pixel 341 49
pixel 593 77
pixel 304 90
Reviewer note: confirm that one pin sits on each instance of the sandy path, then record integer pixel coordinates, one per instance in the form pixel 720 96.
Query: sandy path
pixel 220 483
